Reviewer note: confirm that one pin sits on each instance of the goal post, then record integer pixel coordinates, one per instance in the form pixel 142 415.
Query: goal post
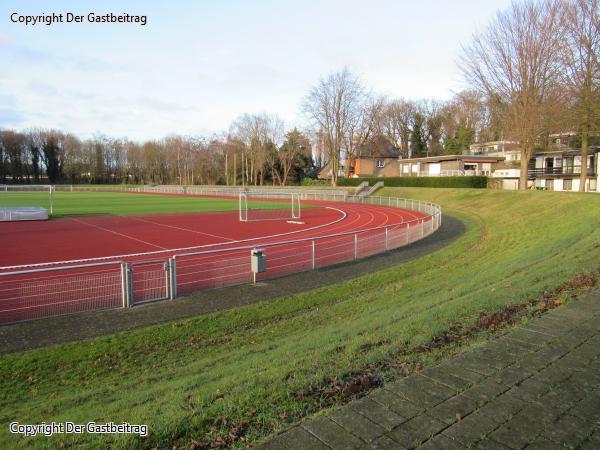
pixel 258 206
pixel 26 201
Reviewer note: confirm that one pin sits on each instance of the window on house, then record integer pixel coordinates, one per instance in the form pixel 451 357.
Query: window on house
pixel 380 163
pixel 567 184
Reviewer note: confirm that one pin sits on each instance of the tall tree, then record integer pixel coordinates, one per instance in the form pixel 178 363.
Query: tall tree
pixel 51 156
pixel 516 61
pixel 433 126
pixel 397 124
pixel 582 71
pixel 463 119
pixel 293 153
pixel 418 138
pixel 333 105
pixel 367 122
pixel 13 146
pixel 257 131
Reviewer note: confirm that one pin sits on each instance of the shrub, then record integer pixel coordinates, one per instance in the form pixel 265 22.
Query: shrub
pixel 434 182
pixel 310 182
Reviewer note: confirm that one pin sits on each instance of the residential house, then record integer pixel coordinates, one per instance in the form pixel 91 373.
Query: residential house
pixel 559 169
pixel 449 165
pixel 326 171
pixel 509 150
pixel 378 158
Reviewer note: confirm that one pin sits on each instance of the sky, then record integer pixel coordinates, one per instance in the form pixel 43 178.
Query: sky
pixel 198 65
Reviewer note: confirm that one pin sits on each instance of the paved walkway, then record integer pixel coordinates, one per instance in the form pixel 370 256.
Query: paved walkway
pixel 537 387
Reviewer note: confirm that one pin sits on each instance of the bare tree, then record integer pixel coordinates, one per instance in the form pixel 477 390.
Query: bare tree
pixel 463 119
pixel 397 124
pixel 257 131
pixel 582 71
pixel 333 106
pixel 319 152
pixel 515 60
pixel 272 135
pixel 367 122
pixel 433 113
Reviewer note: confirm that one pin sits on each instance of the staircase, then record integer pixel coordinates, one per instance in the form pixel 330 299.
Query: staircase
pixel 372 190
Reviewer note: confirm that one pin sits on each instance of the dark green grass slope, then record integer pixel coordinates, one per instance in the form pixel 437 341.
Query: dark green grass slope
pixel 195 379
pixel 98 203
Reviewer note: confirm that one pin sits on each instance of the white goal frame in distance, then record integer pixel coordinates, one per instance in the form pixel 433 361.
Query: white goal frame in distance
pixel 290 212
pixel 32 188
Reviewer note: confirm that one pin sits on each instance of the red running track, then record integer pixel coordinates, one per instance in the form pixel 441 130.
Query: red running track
pixel 157 237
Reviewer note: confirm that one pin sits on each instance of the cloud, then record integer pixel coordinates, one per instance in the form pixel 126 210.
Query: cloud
pixel 162 105
pixel 251 76
pixel 10 116
pixel 4 40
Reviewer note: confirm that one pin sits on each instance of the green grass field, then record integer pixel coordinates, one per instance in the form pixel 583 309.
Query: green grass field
pixel 99 203
pixel 197 379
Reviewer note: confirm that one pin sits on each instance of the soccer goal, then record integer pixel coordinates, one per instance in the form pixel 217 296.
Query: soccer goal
pixel 25 201
pixel 257 206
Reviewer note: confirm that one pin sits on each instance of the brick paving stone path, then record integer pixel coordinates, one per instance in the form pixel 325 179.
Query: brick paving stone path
pixel 536 387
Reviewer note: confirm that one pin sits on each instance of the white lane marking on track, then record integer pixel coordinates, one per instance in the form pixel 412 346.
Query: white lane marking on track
pixel 171 250
pixel 181 228
pixel 357 217
pixel 338 224
pixel 118 234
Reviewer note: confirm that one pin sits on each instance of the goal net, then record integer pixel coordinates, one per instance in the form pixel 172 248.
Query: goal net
pixel 256 206
pixel 25 202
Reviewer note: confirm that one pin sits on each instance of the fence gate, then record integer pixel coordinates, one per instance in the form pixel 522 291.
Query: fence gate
pixel 150 281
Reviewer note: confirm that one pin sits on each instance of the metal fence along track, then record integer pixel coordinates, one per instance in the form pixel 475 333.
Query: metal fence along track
pixel 29 293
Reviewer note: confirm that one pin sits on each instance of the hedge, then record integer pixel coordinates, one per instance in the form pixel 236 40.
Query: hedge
pixel 433 182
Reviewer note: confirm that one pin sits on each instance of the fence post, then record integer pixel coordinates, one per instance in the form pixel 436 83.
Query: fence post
pixel 173 277
pixel 386 239
pixel 126 284
pixel 167 271
pixel 407 233
pixel 355 245
pixel 313 255
pixel 422 228
pixel 51 201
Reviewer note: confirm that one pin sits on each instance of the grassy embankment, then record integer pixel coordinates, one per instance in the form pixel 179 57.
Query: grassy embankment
pixel 238 372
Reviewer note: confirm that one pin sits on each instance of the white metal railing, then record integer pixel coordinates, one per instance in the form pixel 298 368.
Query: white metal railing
pixel 44 290
pixel 228 191
pixel 455 173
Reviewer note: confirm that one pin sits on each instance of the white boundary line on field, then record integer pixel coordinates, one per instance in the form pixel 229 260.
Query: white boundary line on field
pixel 118 234
pixel 189 230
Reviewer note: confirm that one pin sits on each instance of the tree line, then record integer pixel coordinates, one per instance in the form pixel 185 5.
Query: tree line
pixel 251 156
pixel 256 149
pixel 533 71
